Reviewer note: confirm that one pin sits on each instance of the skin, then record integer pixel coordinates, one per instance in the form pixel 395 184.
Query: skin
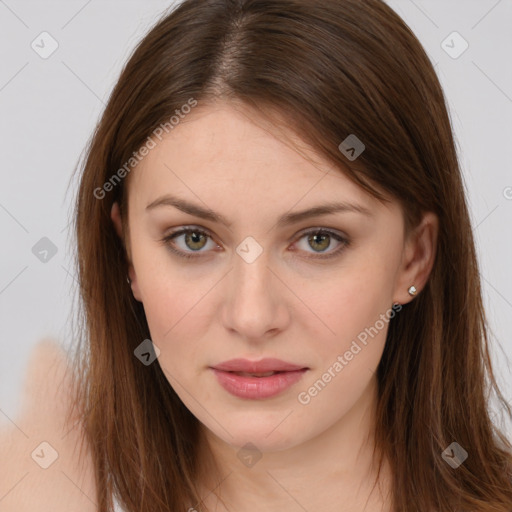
pixel 285 304
pixel 68 482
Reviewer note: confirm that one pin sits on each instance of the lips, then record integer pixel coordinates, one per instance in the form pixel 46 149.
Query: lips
pixel 257 368
pixel 253 380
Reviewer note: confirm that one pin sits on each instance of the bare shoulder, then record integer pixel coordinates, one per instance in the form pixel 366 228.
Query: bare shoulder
pixel 39 465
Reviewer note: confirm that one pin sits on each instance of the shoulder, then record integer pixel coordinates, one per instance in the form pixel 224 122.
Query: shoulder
pixel 40 469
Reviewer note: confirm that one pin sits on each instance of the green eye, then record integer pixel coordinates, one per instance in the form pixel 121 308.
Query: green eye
pixel 196 239
pixel 321 239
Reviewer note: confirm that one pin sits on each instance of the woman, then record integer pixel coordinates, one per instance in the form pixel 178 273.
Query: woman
pixel 281 300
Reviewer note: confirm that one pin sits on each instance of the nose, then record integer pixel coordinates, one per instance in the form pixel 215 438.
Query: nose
pixel 255 300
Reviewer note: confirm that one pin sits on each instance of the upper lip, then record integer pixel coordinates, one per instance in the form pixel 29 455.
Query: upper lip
pixel 261 366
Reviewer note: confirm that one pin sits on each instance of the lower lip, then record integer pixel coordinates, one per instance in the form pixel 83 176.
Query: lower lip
pixel 257 387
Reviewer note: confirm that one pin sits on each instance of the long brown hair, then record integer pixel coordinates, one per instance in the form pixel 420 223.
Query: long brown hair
pixel 330 69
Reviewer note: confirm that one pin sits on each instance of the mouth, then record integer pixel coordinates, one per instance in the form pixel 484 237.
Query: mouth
pixel 265 374
pixel 257 385
pixel 258 368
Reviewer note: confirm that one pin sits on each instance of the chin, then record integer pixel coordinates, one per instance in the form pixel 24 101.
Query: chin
pixel 266 435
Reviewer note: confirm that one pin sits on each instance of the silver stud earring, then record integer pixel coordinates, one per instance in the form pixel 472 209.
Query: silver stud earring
pixel 128 280
pixel 412 290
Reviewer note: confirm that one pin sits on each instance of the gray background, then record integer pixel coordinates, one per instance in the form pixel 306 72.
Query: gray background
pixel 49 108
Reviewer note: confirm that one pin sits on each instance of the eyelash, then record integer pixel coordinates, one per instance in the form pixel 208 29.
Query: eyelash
pixel 317 231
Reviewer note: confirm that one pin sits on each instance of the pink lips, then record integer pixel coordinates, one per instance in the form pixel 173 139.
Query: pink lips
pixel 252 386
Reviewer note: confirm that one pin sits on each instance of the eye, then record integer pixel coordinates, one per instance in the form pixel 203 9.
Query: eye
pixel 320 240
pixel 195 239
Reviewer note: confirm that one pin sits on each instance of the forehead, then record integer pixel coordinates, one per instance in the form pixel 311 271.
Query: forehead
pixel 234 156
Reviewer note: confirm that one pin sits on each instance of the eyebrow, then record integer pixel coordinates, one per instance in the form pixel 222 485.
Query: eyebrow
pixel 284 220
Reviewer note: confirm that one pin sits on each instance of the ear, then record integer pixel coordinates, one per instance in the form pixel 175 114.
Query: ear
pixel 418 258
pixel 115 215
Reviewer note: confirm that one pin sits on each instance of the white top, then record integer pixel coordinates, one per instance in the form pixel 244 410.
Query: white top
pixel 117 506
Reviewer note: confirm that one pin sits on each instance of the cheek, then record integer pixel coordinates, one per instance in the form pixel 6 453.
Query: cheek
pixel 176 310
pixel 356 311
pixel 354 307
pixel 350 300
pixel 166 293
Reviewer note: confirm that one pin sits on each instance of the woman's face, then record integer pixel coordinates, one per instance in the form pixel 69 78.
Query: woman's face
pixel 259 286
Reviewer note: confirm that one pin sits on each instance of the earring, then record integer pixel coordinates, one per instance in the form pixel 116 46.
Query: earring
pixel 412 290
pixel 128 280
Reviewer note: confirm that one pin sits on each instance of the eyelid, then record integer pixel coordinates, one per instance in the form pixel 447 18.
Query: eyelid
pixel 182 230
pixel 320 229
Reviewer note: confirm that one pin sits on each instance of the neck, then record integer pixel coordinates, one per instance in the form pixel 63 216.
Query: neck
pixel 334 468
